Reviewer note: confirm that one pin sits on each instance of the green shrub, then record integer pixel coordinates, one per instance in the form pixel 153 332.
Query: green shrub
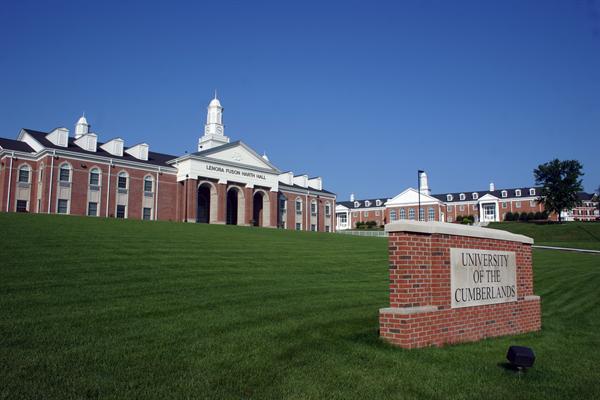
pixel 530 216
pixel 509 216
pixel 523 217
pixel 459 219
pixel 516 216
pixel 538 216
pixel 360 225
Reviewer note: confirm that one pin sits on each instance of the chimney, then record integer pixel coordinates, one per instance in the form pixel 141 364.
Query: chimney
pixel 492 187
pixel 351 196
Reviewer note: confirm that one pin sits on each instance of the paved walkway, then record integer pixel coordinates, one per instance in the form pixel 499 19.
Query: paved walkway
pixel 567 249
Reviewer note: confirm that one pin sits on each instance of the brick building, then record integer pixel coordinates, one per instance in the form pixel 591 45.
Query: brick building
pixel 490 205
pixel 223 182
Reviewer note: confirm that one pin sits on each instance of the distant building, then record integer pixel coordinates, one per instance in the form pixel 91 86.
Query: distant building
pixel 490 205
pixel 222 183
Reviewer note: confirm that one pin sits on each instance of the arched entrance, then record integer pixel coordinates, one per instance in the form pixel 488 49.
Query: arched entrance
pixel 235 211
pixel 257 209
pixel 203 214
pixel 261 210
pixel 232 206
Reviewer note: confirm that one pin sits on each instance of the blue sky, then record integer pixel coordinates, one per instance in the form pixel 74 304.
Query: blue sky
pixel 361 93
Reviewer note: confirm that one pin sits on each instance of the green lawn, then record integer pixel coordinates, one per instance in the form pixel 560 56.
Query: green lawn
pixel 96 308
pixel 581 235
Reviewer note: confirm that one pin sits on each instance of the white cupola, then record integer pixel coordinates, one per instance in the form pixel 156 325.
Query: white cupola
pixel 214 130
pixel 424 184
pixel 82 127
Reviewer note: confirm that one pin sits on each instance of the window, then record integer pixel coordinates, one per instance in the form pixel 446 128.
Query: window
pixel 327 229
pixel 403 213
pixel 355 214
pixel 475 196
pixel 283 205
pixel 63 206
pixel 367 203
pixel 120 211
pixel 504 204
pixel 94 177
pixel 377 213
pixel 298 206
pixel 449 208
pixel 450 219
pixel 356 204
pixel 518 192
pixel 298 226
pixel 504 193
pixel 92 209
pixel 431 214
pixel 377 203
pixel 65 173
pixel 421 214
pixel 148 183
pixel 518 204
pixel 365 214
pixel 411 214
pixel 462 196
pixel 327 209
pixel 532 192
pixel 532 203
pixel 313 207
pixel 449 197
pixel 393 215
pixel 461 208
pixel 21 205
pixel 474 207
pixel 24 171
pixel 343 218
pixel 147 214
pixel 122 180
pixel 313 227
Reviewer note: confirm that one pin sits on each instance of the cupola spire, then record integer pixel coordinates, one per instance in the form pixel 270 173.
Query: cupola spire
pixel 214 130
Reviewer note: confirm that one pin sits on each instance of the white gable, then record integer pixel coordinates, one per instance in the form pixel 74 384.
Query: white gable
pixel 240 154
pixel 411 196
pixel 488 197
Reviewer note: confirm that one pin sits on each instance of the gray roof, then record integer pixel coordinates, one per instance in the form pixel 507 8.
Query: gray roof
pixel 16 145
pixel 361 203
pixel 298 187
pixel 480 193
pixel 154 158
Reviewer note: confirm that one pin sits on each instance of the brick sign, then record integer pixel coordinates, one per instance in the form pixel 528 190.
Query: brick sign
pixel 481 277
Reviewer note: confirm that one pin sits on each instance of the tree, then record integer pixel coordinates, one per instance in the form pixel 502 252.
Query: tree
pixel 560 181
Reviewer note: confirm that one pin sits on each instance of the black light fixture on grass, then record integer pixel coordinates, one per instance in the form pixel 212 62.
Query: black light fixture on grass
pixel 520 357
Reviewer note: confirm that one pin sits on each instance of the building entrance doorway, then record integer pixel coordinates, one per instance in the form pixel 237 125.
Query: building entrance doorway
pixel 232 207
pixel 203 214
pixel 489 212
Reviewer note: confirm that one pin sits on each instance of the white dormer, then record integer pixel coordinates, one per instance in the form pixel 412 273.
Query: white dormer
pixel 316 183
pixel 518 192
pixel 462 196
pixel 475 196
pixel 532 192
pixel 504 193
pixel 287 178
pixel 139 151
pixel 87 142
pixel 378 203
pixel 367 203
pixel 301 180
pixel 449 197
pixel 59 137
pixel 356 204
pixel 114 147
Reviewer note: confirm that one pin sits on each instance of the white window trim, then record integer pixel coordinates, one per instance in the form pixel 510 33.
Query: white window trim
pixel 70 168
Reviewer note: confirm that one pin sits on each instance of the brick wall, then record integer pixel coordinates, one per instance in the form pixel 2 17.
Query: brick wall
pixel 420 312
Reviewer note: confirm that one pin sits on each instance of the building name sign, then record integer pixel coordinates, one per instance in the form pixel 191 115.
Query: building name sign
pixel 480 277
pixel 235 171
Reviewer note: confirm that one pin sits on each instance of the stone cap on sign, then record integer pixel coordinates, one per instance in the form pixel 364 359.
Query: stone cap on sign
pixel 445 228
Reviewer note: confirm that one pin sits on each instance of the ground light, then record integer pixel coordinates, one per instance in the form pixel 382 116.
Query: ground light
pixel 520 357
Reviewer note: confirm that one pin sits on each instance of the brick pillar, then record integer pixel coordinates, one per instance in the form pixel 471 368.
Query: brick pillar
pixel 249 200
pixel 435 295
pixel 192 199
pixel 221 202
pixel 274 210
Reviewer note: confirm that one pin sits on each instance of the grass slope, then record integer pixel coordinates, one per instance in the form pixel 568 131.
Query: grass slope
pixel 581 235
pixel 96 308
